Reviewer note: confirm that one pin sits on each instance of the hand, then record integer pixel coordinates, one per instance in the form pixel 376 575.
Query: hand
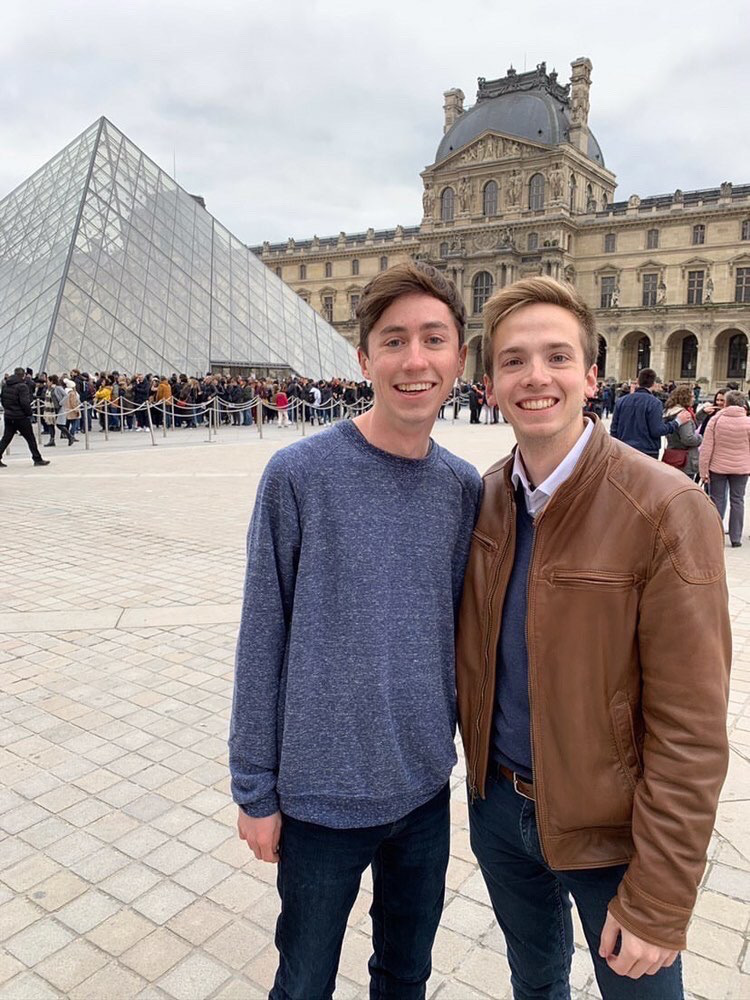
pixel 262 835
pixel 683 416
pixel 637 958
pixel 704 482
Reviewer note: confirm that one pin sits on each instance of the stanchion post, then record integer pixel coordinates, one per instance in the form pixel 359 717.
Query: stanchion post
pixel 259 417
pixel 106 420
pixel 38 404
pixel 163 405
pixel 150 422
pixel 85 413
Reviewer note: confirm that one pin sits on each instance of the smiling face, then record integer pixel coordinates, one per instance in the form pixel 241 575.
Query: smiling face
pixel 412 360
pixel 539 375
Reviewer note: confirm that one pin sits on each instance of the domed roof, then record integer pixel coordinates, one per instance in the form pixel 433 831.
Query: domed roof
pixel 537 109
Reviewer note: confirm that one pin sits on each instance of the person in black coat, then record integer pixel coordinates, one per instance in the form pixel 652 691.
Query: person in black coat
pixel 16 403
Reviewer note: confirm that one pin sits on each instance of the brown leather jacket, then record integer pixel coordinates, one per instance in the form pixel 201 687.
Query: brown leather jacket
pixel 629 651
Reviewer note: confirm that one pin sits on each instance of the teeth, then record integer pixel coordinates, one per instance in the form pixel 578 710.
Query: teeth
pixel 414 386
pixel 537 404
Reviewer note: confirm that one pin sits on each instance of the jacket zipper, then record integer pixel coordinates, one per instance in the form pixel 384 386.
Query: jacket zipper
pixel 491 590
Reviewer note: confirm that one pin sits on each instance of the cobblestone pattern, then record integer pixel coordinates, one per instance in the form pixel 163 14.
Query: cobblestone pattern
pixel 120 871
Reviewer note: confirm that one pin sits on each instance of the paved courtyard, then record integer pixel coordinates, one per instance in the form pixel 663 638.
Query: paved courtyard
pixel 120 871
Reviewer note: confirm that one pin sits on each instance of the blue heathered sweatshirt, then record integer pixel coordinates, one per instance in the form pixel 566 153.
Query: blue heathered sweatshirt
pixel 344 697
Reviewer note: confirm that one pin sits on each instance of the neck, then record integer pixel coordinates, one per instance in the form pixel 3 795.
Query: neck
pixel 541 456
pixel 406 442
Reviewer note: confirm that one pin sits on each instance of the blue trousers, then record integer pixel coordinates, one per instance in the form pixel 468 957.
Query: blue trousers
pixel 532 905
pixel 320 869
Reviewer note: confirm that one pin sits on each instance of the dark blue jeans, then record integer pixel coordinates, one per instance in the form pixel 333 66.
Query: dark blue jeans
pixel 319 875
pixel 532 905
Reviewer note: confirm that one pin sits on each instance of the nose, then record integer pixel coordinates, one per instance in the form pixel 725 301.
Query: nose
pixel 415 359
pixel 536 372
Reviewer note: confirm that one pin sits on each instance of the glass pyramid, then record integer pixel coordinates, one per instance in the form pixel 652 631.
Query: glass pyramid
pixel 106 263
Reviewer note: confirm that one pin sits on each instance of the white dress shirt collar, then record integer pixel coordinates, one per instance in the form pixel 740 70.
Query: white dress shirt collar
pixel 536 498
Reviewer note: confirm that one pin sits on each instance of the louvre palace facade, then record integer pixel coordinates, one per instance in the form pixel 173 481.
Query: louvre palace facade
pixel 519 186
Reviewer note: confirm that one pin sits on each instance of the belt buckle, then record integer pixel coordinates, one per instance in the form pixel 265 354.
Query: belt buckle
pixel 517 790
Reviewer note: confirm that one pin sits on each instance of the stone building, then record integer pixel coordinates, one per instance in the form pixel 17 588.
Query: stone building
pixel 518 187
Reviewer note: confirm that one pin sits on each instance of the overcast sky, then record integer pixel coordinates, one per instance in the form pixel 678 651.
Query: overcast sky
pixel 302 117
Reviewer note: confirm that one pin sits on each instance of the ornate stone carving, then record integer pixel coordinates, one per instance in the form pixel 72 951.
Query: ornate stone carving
pixel 485 241
pixel 634 201
pixel 506 238
pixel 464 193
pixel 661 293
pixel 678 197
pixel 708 288
pixel 428 200
pixel 726 189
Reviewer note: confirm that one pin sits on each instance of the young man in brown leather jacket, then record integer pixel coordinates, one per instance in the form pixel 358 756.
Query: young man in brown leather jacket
pixel 592 670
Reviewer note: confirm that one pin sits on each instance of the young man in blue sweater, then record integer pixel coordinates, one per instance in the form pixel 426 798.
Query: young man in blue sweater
pixel 341 741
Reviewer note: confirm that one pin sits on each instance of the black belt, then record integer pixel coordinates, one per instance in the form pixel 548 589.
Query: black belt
pixel 521 785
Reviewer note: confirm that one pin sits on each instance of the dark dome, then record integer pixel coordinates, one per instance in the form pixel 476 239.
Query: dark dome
pixel 535 115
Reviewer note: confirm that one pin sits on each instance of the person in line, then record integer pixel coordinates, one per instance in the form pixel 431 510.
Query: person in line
pixel 341 739
pixel 592 667
pixel 681 450
pixel 724 461
pixel 16 403
pixel 638 419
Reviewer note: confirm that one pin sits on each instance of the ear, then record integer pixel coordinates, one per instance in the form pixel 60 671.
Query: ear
pixel 590 383
pixel 363 363
pixel 490 390
pixel 462 354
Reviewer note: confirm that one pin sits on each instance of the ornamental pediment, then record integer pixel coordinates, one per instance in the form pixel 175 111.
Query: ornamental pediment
pixel 492 148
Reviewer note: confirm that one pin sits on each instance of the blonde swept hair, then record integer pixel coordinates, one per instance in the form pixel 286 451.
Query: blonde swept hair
pixel 528 292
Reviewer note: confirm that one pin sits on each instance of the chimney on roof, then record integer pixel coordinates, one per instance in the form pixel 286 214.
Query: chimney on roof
pixel 453 106
pixel 580 86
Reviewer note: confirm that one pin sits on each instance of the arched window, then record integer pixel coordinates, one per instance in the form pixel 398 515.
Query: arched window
pixel 644 354
pixel 482 289
pixel 383 263
pixel 443 249
pixel 328 267
pixel 446 205
pixel 489 198
pixel 302 271
pixel 355 266
pixel 737 361
pixel 689 358
pixel 572 191
pixel 536 193
pixel 533 241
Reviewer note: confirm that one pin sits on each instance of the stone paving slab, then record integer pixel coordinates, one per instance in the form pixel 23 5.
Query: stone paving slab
pixel 120 871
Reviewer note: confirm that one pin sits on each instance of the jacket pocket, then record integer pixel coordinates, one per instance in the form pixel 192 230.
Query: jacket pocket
pixel 485 541
pixel 584 579
pixel 621 719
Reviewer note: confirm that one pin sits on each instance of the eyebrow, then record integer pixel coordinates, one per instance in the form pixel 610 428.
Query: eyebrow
pixel 520 348
pixel 431 325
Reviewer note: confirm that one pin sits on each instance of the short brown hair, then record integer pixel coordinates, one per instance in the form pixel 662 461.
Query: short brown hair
pixel 529 292
pixel 681 396
pixel 406 279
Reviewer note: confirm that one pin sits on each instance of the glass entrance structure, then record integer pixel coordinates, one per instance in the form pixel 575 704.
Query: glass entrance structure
pixel 106 263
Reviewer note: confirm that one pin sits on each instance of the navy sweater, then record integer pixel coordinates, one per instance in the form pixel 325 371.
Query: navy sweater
pixel 638 420
pixel 344 696
pixel 511 727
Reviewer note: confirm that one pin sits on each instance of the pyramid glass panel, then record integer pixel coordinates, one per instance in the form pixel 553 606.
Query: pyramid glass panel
pixel 106 263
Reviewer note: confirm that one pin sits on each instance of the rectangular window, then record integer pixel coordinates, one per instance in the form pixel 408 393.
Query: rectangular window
pixel 608 290
pixel 328 308
pixel 745 232
pixel 742 288
pixel 652 239
pixel 610 243
pixel 650 283
pixel 699 235
pixel 695 288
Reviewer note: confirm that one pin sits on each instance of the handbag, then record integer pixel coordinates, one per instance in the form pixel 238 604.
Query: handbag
pixel 675 457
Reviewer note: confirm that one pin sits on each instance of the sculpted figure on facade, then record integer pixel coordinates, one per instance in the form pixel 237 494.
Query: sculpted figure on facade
pixel 726 189
pixel 514 188
pixel 661 293
pixel 616 297
pixel 464 193
pixel 708 291
pixel 428 201
pixel 556 182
